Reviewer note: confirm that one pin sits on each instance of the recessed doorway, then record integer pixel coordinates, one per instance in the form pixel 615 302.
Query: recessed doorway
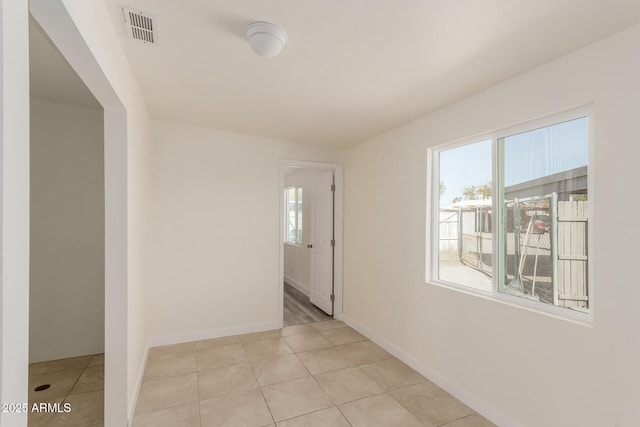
pixel 67 239
pixel 54 18
pixel 311 241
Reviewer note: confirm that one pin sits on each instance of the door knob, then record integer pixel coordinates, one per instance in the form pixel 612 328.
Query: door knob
pixel 309 246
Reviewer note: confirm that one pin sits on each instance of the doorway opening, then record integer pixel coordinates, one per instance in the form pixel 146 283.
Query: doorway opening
pixel 67 210
pixel 311 231
pixel 56 22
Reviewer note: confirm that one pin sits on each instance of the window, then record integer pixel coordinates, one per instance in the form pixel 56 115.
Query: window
pixel 510 215
pixel 293 215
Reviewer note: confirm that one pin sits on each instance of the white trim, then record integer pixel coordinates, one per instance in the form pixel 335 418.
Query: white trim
pixel 338 225
pixel 592 194
pixel 298 286
pixel 432 230
pixel 435 377
pixel 159 341
pixel 559 313
pixel 543 121
pixel 14 208
pixel 295 245
pixel 136 393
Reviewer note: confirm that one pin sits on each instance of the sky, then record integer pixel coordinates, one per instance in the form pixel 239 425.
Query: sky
pixel 528 156
pixel 463 166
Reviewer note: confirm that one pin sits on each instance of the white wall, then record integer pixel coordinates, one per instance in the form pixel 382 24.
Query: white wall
pixel 216 231
pixel 519 367
pixel 296 266
pixel 66 315
pixel 85 35
pixel 14 207
pixel 296 258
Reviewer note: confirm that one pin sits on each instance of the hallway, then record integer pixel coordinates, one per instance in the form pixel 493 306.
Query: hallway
pixel 299 310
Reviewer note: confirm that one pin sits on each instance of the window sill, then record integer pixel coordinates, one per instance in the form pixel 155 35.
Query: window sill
pixel 560 313
pixel 296 245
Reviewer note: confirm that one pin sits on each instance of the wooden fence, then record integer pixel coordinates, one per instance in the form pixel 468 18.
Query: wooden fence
pixel 572 255
pixel 562 281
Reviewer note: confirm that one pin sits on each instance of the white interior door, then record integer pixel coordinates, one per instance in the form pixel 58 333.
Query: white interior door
pixel 321 248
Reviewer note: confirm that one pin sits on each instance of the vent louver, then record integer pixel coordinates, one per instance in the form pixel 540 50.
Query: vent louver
pixel 141 26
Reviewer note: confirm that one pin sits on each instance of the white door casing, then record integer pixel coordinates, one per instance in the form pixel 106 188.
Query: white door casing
pixel 321 248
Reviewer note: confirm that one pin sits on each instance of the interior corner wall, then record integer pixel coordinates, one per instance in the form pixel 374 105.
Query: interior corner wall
pixel 66 315
pixel 216 229
pixel 14 208
pixel 296 257
pixel 518 367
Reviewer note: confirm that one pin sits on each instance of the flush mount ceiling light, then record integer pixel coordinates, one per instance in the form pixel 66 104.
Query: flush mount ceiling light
pixel 266 39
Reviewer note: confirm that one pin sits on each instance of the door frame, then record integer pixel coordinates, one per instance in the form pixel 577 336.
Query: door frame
pixel 57 23
pixel 338 229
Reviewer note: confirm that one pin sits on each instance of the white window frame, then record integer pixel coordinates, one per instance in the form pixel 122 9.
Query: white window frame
pixel 432 226
pixel 297 228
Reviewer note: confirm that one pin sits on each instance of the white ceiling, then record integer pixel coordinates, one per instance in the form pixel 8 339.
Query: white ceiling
pixel 51 78
pixel 351 69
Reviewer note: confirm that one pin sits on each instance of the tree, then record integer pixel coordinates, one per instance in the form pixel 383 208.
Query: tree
pixel 486 190
pixel 476 192
pixel 443 188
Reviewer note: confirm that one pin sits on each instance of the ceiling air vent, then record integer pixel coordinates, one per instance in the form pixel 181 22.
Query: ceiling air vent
pixel 141 26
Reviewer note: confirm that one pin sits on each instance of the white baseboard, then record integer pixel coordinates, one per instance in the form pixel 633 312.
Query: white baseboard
pixel 298 286
pixel 134 401
pixel 213 333
pixel 435 377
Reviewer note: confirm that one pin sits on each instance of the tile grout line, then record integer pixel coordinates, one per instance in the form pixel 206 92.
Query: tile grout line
pixel 264 399
pixel 65 397
pixel 197 387
pixel 404 407
pixel 340 349
pixel 78 380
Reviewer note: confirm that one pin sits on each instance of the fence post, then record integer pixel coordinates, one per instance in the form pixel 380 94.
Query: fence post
pixel 459 234
pixel 516 242
pixel 554 245
pixel 479 236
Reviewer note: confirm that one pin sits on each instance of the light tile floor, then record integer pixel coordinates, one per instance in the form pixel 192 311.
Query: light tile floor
pixel 78 381
pixel 318 374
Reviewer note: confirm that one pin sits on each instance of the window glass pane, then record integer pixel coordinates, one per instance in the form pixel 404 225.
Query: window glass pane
pixel 464 223
pixel 293 215
pixel 290 215
pixel 299 209
pixel 545 214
